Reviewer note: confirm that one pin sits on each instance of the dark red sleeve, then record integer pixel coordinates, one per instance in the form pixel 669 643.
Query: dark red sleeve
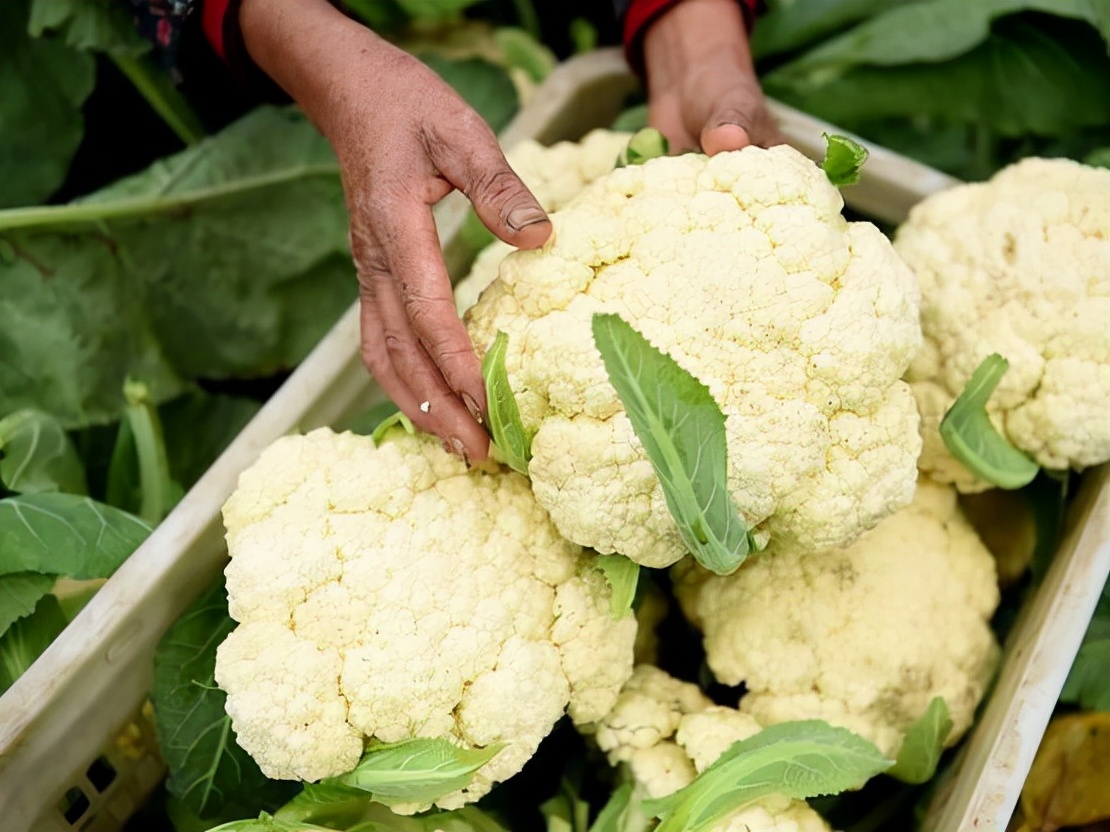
pixel 212 17
pixel 220 21
pixel 640 14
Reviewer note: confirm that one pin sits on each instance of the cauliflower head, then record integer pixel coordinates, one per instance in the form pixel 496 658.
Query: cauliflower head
pixel 388 592
pixel 1019 265
pixel 742 268
pixel 667 732
pixel 863 637
pixel 555 174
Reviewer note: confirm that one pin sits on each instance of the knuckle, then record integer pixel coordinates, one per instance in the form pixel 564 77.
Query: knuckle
pixel 373 356
pixel 496 186
pixel 429 315
pixel 399 347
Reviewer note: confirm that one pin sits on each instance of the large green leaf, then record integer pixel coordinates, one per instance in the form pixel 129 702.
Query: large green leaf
pixel 26 639
pixel 1010 83
pixel 226 260
pixel 1088 683
pixel 197 427
pixel 383 16
pixel 66 534
pixel 930 32
pixel 43 84
pixel 788 26
pixel 19 592
pixel 682 430
pixel 208 771
pixel 88 25
pixel 522 51
pixel 1100 17
pixel 434 9
pixel 796 759
pixel 75 326
pixel 105 26
pixel 37 455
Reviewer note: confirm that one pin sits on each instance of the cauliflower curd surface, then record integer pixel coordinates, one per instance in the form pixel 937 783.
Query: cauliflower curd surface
pixel 667 732
pixel 1018 265
pixel 864 637
pixel 742 268
pixel 555 174
pixel 388 592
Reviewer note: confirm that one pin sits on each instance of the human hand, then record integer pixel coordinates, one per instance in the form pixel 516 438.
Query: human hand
pixel 404 140
pixel 703 93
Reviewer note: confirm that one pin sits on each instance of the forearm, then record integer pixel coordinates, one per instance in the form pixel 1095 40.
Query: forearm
pixel 705 30
pixel 703 92
pixel 315 53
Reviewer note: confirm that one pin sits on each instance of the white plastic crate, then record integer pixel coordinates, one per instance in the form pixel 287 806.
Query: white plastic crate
pixel 73 733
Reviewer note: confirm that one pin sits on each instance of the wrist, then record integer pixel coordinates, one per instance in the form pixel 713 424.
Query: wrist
pixel 693 34
pixel 311 50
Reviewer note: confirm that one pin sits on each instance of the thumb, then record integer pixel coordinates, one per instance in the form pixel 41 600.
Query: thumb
pixel 507 208
pixel 477 167
pixel 725 136
pixel 737 121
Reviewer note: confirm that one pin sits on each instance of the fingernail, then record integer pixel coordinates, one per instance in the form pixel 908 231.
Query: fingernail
pixel 460 449
pixel 472 406
pixel 523 217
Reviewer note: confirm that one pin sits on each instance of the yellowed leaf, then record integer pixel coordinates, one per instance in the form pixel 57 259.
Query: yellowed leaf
pixel 1069 782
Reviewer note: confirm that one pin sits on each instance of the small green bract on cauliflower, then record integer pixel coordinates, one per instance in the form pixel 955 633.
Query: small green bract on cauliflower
pixel 1019 266
pixel 863 638
pixel 388 592
pixel 667 732
pixel 743 270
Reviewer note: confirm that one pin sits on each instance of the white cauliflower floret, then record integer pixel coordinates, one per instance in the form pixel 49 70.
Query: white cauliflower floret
pixel 667 732
pixel 389 593
pixel 863 637
pixel 1019 265
pixel 742 268
pixel 554 174
pixel 483 271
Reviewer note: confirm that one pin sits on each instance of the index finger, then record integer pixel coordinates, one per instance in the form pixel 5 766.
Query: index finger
pixel 410 245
